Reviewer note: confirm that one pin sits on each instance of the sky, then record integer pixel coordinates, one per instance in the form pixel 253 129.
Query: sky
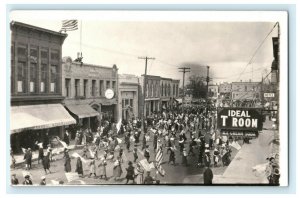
pixel 226 47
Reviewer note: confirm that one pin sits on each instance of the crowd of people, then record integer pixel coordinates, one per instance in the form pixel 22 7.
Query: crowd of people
pixel 186 132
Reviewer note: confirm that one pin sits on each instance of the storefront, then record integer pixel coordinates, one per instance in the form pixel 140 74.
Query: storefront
pixel 40 123
pixel 108 112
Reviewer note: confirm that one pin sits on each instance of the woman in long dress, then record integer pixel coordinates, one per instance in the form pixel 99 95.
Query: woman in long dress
pixel 46 163
pixel 79 167
pixel 67 162
pixel 92 168
pixel 102 168
pixel 117 170
pixel 139 174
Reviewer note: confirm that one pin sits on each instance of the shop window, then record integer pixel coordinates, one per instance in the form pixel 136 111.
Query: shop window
pixel 44 71
pixel 114 85
pixel 53 78
pixel 93 87
pixel 101 88
pixel 77 87
pixel 107 84
pixel 21 75
pixel 85 87
pixel 68 87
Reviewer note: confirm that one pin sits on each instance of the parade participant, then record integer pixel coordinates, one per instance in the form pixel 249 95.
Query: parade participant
pixel 275 177
pixel 135 155
pixel 147 153
pixel 92 168
pixel 184 157
pixel 79 167
pixel 77 139
pixel 41 153
pixel 144 142
pixel 67 162
pixel 136 137
pixel 226 157
pixel 139 174
pixel 13 160
pixel 172 156
pixel 43 181
pixel 67 138
pixel 127 140
pixel 105 153
pixel 49 149
pixel 208 176
pixel 14 179
pixel 85 151
pixel 130 172
pixel 102 168
pixel 117 169
pixel 148 179
pixel 216 157
pixel 207 159
pixel 28 158
pixel 46 163
pixel 192 145
pixel 27 180
pixel 155 137
pixel 181 144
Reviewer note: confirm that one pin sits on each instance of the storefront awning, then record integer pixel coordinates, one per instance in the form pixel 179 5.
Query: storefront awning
pixel 39 117
pixel 82 110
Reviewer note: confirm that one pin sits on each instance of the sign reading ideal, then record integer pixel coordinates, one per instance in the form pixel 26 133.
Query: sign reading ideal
pixel 249 119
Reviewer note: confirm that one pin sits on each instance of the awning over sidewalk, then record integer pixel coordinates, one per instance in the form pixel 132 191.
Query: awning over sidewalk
pixel 39 117
pixel 82 110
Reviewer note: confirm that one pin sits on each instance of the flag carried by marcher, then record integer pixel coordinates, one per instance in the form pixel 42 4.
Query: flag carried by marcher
pixel 235 145
pixel 75 155
pixel 158 160
pixel 69 25
pixel 119 125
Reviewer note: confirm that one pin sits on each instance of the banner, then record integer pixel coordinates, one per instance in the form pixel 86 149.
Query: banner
pixel 75 155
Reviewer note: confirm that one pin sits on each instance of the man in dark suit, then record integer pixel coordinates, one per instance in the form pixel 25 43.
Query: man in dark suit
pixel 208 176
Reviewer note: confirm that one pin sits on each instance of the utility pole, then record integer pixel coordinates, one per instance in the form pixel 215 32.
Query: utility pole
pixel 183 70
pixel 207 81
pixel 144 89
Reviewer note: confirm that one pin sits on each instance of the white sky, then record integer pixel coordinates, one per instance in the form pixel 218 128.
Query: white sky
pixel 225 46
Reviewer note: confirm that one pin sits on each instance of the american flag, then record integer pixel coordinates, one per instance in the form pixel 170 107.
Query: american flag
pixel 69 25
pixel 158 160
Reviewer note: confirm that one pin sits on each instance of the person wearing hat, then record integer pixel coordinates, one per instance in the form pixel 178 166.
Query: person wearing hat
pixel 184 157
pixel 117 169
pixel 216 156
pixel 207 159
pixel 208 176
pixel 41 153
pixel 67 161
pixel 102 168
pixel 172 156
pixel 147 153
pixel 275 177
pixel 92 168
pixel 46 163
pixel 43 181
pixel 155 138
pixel 139 174
pixel 130 172
pixel 27 180
pixel 79 167
pixel 28 159
pixel 127 140
pixel 148 179
pixel 135 155
pixel 14 179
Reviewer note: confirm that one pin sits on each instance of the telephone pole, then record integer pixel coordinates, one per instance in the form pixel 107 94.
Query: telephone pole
pixel 144 89
pixel 183 70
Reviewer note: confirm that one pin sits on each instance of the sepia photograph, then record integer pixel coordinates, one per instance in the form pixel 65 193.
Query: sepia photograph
pixel 148 98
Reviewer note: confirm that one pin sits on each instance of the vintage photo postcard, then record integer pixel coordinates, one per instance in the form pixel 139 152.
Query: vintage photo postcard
pixel 148 98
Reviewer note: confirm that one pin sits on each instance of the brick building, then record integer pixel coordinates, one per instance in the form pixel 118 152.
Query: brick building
pixel 36 87
pixel 246 91
pixel 90 92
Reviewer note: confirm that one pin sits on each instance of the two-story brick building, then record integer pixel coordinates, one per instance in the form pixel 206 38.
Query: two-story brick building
pixel 90 92
pixel 36 87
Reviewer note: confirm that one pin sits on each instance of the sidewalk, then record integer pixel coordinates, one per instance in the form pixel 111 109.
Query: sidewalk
pixel 250 155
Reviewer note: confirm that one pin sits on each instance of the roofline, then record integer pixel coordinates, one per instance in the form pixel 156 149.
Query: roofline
pixel 89 65
pixel 13 23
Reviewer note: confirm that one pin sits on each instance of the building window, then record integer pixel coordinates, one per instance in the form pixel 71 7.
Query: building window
pixel 44 71
pixel 162 90
pixel 107 84
pixel 53 78
pixel 114 85
pixel 54 55
pixel 22 51
pixel 77 87
pixel 93 87
pixel 68 87
pixel 101 87
pixel 33 69
pixel 12 66
pixel 85 87
pixel 21 73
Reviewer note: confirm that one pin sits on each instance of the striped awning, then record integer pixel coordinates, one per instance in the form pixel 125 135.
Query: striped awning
pixel 39 117
pixel 82 110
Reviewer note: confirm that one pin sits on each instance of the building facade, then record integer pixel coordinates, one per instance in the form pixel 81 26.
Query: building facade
pixel 90 92
pixel 161 94
pixel 246 91
pixel 213 91
pixel 36 87
pixel 225 91
pixel 128 106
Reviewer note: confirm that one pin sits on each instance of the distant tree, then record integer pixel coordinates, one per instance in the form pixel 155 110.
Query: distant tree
pixel 196 86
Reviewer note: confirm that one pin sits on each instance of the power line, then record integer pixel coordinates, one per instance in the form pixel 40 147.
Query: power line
pixel 259 46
